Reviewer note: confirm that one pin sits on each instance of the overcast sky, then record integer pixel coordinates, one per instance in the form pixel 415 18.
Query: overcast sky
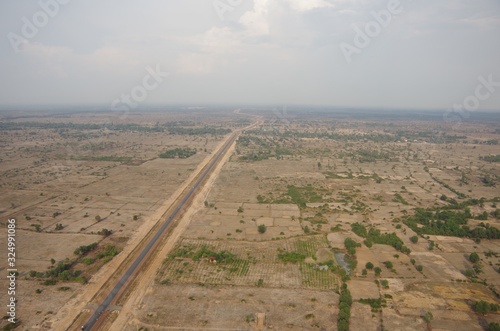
pixel 428 54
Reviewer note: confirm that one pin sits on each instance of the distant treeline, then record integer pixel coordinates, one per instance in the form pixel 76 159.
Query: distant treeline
pixel 181 153
pixel 427 136
pixel 170 127
pixel 491 158
pixel 198 131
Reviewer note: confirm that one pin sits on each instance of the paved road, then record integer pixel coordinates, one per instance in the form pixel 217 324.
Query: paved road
pixel 119 286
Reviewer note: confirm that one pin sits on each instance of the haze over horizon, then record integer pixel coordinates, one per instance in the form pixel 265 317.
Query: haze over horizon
pixel 291 52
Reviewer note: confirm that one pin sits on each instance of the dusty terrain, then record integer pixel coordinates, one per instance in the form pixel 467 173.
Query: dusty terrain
pixel 265 248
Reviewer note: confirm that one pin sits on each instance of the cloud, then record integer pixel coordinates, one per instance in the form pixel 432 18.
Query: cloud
pixel 59 61
pixel 306 5
pixel 256 21
pixel 195 64
pixel 485 23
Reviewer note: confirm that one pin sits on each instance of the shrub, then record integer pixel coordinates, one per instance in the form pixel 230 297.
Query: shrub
pixel 105 232
pixel 292 257
pixel 494 327
pixel 262 228
pixel 474 257
pixel 483 307
pixel 427 317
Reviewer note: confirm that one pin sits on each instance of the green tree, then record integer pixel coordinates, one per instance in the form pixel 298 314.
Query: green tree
pixel 262 228
pixel 414 239
pixel 481 307
pixel 377 271
pixel 427 317
pixel 494 326
pixel 469 273
pixel 105 232
pixel 474 257
pixel 369 265
pixel 388 264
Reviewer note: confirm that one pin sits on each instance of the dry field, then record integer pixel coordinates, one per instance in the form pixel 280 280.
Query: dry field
pixel 66 177
pixel 266 250
pixel 309 181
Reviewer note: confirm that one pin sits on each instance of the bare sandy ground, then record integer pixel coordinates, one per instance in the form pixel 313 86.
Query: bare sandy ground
pixel 127 312
pixel 68 312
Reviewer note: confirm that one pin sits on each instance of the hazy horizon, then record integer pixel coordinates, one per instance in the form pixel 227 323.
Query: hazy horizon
pixel 414 55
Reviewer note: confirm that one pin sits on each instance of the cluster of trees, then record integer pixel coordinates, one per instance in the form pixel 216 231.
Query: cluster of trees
pixel 374 236
pixel 62 271
pixel 493 326
pixel 105 232
pixel 103 158
pixel 198 131
pixel 448 222
pixel 491 158
pixel 83 250
pixel 374 303
pixel 376 137
pixel 345 303
pixel 292 257
pixel 299 195
pixel 371 155
pixel 351 246
pixel 62 127
pixel 203 252
pixel 476 267
pixel 483 307
pixel 429 136
pixel 181 153
pixel 266 149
